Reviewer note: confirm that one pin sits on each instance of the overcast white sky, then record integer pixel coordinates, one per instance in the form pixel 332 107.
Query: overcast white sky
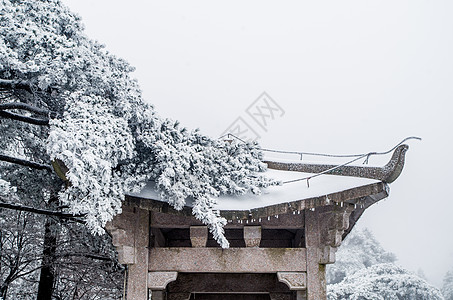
pixel 351 76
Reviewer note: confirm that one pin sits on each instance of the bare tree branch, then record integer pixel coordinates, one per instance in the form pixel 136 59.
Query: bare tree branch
pixel 26 163
pixel 47 212
pixel 86 255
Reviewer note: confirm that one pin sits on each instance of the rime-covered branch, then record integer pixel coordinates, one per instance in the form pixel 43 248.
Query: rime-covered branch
pixel 26 163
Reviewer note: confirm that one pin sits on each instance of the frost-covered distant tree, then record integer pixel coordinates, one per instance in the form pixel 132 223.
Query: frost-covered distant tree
pixel 359 250
pixel 364 270
pixel 447 286
pixel 383 282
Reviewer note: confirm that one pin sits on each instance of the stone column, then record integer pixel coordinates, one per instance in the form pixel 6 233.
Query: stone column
pixel 324 228
pixel 130 236
pixel 316 273
pixel 137 282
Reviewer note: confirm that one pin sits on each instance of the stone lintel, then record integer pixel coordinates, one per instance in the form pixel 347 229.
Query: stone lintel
pixel 198 236
pixel 294 280
pixel 232 260
pixel 252 236
pixel 159 280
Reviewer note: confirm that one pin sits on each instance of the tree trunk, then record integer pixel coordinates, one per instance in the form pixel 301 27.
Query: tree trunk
pixel 3 291
pixel 47 277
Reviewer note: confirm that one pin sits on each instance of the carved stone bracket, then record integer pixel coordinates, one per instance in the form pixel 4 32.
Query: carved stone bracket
pixel 198 236
pixel 159 280
pixel 294 280
pixel 252 236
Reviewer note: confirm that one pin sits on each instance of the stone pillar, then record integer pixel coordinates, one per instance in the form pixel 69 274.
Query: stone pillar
pixel 137 288
pixel 198 236
pixel 252 236
pixel 316 273
pixel 130 236
pixel 324 228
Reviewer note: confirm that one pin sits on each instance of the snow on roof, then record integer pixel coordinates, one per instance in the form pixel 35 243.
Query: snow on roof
pixel 299 190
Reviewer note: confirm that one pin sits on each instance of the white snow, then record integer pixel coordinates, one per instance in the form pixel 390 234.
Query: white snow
pixel 319 186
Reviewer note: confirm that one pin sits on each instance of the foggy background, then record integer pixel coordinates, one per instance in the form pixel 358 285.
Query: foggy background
pixel 351 77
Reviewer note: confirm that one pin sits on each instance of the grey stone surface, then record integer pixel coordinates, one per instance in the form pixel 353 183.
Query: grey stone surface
pixel 233 260
pixel 159 280
pixel 294 280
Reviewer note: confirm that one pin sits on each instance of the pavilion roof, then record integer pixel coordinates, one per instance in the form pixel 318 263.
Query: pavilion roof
pixel 358 185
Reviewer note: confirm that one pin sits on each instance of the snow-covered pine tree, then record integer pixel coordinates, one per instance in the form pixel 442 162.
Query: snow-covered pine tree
pixel 383 282
pixel 67 101
pixel 447 286
pixel 359 250
pixel 365 270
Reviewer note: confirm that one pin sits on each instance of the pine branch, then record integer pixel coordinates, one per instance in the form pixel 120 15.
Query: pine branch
pixel 25 119
pixel 40 211
pixel 15 84
pixel 27 163
pixel 25 106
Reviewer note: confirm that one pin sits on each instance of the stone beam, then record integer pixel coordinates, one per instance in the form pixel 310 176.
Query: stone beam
pixel 233 260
